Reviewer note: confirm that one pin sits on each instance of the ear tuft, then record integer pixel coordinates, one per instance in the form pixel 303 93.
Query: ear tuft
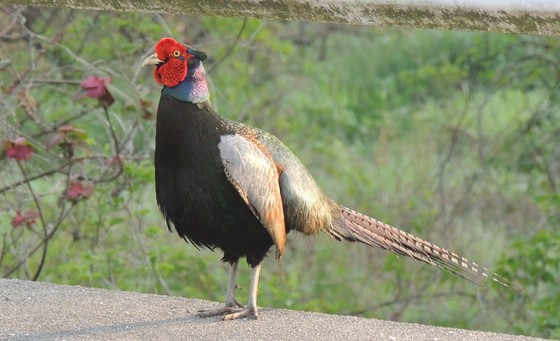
pixel 198 54
pixel 165 47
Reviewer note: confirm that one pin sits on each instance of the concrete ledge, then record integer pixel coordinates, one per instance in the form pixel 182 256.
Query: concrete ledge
pixel 510 16
pixel 42 311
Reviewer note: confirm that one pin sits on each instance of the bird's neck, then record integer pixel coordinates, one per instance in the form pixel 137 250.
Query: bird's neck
pixel 194 88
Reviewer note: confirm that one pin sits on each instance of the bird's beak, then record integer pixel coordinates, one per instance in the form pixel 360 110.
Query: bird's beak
pixel 152 60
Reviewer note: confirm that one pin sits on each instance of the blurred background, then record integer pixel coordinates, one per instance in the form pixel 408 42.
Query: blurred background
pixel 452 136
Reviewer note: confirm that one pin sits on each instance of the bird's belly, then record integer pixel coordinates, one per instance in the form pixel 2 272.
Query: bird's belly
pixel 207 211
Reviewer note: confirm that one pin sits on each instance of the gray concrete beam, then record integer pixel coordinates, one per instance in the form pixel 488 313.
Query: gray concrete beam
pixel 509 16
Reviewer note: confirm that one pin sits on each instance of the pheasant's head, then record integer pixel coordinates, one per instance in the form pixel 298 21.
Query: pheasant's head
pixel 172 61
pixel 179 68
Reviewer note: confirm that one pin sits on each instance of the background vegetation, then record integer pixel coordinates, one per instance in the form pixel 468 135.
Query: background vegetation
pixel 451 136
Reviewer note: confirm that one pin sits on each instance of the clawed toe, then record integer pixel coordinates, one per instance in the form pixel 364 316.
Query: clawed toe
pixel 225 310
pixel 247 312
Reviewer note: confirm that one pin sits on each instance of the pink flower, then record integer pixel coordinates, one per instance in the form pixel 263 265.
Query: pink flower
pixel 18 149
pixel 28 218
pixel 18 220
pixel 77 190
pixel 97 88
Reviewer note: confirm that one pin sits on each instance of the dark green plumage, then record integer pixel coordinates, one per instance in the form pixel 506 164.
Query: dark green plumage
pixel 192 189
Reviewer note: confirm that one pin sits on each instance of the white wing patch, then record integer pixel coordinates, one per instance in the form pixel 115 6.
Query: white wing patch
pixel 255 177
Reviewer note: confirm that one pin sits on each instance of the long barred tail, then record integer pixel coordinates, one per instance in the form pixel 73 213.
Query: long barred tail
pixel 355 226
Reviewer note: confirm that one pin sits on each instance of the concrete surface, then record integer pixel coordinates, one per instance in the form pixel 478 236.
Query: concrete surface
pixel 42 311
pixel 506 16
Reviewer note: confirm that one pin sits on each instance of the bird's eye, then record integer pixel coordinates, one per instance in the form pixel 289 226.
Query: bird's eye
pixel 176 53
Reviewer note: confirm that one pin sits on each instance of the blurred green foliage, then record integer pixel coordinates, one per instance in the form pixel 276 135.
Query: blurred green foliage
pixel 451 136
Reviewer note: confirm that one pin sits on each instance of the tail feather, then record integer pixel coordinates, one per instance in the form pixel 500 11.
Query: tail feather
pixel 355 226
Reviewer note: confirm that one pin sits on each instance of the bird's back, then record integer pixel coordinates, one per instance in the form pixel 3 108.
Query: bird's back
pixel 306 208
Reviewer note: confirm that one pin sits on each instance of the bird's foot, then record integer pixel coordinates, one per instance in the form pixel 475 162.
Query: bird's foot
pixel 225 310
pixel 250 312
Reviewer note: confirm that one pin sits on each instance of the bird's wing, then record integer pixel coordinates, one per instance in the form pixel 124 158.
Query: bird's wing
pixel 251 170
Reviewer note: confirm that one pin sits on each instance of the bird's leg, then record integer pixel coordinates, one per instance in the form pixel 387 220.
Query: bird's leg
pixel 231 303
pixel 232 285
pixel 251 309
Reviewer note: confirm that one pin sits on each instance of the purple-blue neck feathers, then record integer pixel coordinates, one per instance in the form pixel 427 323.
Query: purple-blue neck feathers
pixel 194 88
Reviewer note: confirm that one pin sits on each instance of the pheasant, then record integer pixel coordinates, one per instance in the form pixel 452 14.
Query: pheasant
pixel 226 185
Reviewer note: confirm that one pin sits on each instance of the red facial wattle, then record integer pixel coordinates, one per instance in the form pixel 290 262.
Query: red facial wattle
pixel 172 72
pixel 174 69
